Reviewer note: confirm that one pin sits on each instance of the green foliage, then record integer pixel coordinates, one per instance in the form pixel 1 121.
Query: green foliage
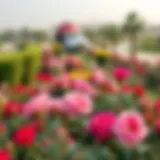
pixel 112 33
pixel 20 67
pixel 133 24
pixel 31 65
pixel 10 68
pixel 153 78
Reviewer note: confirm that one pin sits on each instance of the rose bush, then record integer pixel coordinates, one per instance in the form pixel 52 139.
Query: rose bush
pixel 85 110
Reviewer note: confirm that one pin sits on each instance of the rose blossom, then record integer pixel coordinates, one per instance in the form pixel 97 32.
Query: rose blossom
pixel 101 125
pixel 73 61
pixel 84 86
pixel 126 89
pixel 12 108
pixel 139 90
pixel 61 81
pixel 37 104
pixel 157 105
pixel 157 125
pixel 25 136
pixel 76 103
pixel 55 105
pixel 121 73
pixel 130 128
pixel 45 77
pixel 99 77
pixel 19 89
pixel 5 155
pixel 110 87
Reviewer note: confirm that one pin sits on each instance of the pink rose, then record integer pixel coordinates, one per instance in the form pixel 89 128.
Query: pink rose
pixel 57 63
pixel 121 73
pixel 101 125
pixel 37 104
pixel 55 105
pixel 77 103
pixel 99 77
pixel 73 61
pixel 84 86
pixel 62 81
pixel 130 128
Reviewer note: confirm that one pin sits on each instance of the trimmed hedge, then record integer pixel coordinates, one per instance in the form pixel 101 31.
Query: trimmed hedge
pixel 10 68
pixel 31 65
pixel 20 67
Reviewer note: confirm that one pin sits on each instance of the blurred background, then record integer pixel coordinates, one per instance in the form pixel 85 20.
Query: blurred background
pixel 108 24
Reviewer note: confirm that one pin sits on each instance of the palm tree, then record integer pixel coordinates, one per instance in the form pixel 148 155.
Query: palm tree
pixel 132 27
pixel 112 33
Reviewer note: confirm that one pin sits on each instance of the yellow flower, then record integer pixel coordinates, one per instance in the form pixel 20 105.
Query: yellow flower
pixel 102 52
pixel 80 74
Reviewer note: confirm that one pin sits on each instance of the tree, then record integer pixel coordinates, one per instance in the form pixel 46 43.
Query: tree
pixel 39 35
pixel 112 33
pixel 25 34
pixel 8 36
pixel 132 27
pixel 91 34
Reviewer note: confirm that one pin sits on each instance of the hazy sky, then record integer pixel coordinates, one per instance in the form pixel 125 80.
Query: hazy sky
pixel 45 13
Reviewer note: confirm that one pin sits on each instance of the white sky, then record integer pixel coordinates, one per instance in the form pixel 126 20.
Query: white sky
pixel 45 13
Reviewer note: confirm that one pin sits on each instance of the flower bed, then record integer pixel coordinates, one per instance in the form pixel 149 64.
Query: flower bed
pixel 84 111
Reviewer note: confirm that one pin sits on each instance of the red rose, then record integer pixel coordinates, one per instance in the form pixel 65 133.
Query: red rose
pixel 101 125
pixel 19 89
pixel 73 61
pixel 127 89
pixel 139 90
pixel 110 87
pixel 4 155
pixel 12 108
pixel 45 77
pixel 157 105
pixel 157 125
pixel 22 89
pixel 140 69
pixel 25 136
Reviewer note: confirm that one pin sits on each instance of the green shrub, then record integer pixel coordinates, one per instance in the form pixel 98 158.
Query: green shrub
pixel 153 78
pixel 31 66
pixel 11 68
pixel 20 67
